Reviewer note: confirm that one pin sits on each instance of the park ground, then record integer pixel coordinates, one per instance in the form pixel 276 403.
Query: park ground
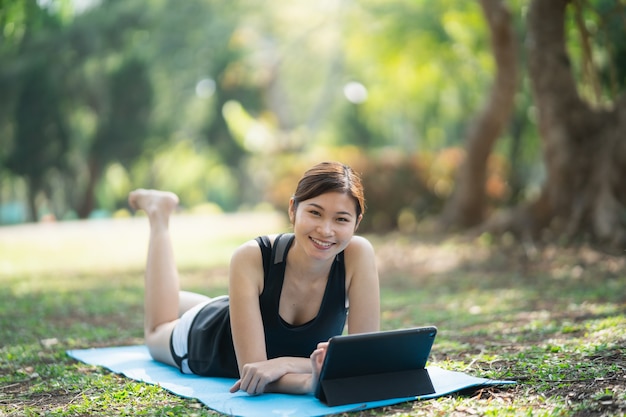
pixel 552 318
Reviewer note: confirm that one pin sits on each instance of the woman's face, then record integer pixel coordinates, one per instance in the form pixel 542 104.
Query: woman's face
pixel 324 225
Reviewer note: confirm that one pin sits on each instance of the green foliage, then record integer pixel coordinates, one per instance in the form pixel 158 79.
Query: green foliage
pixel 124 121
pixel 417 60
pixel 41 136
pixel 39 124
pixel 596 30
pixel 190 170
pixel 84 91
pixel 50 84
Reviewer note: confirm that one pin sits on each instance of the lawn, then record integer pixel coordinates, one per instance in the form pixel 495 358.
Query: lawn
pixel 551 318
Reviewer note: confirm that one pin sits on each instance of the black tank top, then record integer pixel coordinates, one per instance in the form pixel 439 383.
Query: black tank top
pixel 210 343
pixel 281 338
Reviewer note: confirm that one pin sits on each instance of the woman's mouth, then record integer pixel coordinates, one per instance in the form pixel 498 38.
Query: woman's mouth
pixel 320 243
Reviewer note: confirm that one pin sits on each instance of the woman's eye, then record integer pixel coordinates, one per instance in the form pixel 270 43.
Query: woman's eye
pixel 314 212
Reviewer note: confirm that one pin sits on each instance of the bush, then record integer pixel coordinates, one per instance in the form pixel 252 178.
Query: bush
pixel 396 191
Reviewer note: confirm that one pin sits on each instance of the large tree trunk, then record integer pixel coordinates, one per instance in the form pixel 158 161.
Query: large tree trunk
pixel 468 205
pixel 584 149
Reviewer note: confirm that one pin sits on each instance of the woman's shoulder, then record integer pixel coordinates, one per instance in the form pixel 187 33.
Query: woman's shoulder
pixel 358 246
pixel 360 241
pixel 246 266
pixel 251 247
pixel 247 251
pixel 360 261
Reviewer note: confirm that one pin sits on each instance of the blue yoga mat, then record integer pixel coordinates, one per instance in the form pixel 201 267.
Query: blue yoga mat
pixel 136 363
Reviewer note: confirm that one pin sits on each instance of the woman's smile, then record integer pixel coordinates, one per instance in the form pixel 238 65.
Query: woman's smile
pixel 321 244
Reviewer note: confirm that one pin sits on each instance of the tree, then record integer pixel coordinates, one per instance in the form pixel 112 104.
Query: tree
pixel 41 136
pixel 468 204
pixel 51 67
pixel 584 150
pixel 123 127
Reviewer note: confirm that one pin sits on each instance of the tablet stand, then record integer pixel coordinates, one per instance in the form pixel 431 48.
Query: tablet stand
pixel 375 387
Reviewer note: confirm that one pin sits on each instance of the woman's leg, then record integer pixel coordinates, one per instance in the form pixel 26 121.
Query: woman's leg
pixel 161 304
pixel 187 300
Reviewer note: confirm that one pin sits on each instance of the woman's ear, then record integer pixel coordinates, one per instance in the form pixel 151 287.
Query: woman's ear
pixel 358 222
pixel 292 210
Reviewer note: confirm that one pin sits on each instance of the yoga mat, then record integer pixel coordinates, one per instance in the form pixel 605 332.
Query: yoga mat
pixel 136 363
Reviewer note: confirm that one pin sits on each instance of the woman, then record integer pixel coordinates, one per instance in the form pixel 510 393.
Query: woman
pixel 288 294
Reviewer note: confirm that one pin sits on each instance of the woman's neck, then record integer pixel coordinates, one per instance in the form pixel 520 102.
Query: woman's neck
pixel 305 267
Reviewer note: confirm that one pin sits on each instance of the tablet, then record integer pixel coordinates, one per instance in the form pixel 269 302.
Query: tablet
pixel 376 366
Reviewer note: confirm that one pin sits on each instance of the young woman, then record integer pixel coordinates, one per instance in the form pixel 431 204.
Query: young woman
pixel 288 294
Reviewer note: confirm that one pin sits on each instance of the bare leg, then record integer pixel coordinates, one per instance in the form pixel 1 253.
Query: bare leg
pixel 161 302
pixel 188 300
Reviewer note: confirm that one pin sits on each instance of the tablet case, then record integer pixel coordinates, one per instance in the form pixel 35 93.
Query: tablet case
pixel 376 366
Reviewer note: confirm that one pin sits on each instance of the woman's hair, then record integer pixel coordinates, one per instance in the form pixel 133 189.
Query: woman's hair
pixel 330 177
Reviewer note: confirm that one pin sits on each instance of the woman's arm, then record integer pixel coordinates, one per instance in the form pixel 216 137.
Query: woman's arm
pixel 245 285
pixel 292 384
pixel 288 375
pixel 362 287
pixel 302 383
pixel 257 373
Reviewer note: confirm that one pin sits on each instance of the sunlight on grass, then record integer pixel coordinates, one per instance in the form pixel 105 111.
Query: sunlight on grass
pixel 122 244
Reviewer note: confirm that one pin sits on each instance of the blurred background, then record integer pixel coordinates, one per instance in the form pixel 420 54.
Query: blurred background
pixel 502 115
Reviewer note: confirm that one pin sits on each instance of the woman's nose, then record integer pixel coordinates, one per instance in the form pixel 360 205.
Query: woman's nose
pixel 325 228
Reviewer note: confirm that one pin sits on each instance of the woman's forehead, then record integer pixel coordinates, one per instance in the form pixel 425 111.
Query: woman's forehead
pixel 332 201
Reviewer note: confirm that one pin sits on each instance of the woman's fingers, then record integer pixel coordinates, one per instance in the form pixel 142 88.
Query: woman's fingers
pixel 322 345
pixel 249 382
pixel 250 388
pixel 236 386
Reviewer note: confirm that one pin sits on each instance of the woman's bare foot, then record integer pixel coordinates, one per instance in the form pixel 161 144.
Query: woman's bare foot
pixel 156 204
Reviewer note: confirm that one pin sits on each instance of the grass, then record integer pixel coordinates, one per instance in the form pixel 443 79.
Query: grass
pixel 554 319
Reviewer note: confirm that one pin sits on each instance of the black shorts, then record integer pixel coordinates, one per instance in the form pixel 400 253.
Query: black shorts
pixel 209 348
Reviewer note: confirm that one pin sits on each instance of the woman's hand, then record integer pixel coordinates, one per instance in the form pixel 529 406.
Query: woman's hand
pixel 256 376
pixel 317 360
pixel 290 375
pixel 267 376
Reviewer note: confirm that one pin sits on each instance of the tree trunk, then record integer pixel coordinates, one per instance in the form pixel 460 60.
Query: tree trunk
pixel 584 149
pixel 33 189
pixel 88 202
pixel 468 205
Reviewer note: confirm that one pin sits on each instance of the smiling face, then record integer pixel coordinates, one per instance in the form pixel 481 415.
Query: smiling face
pixel 324 225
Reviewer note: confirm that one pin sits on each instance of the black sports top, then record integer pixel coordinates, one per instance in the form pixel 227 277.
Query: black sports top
pixel 281 338
pixel 210 345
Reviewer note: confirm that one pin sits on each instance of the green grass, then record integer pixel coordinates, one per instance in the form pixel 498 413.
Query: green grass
pixel 553 319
